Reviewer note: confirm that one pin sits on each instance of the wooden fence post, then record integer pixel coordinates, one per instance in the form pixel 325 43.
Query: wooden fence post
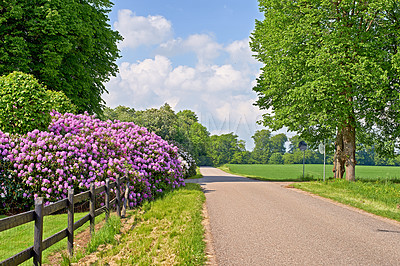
pixel 92 209
pixel 126 199
pixel 107 199
pixel 118 195
pixel 71 222
pixel 38 237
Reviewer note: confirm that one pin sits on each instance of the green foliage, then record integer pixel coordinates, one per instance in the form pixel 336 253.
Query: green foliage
pixel 121 113
pixel 199 138
pixel 335 61
pixel 60 102
pixel 278 143
pixel 224 148
pixel 67 45
pixel 163 122
pixel 24 105
pixel 331 68
pixel 276 158
pixel 262 146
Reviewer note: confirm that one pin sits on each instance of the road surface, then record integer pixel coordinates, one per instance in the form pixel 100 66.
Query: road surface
pixel 264 223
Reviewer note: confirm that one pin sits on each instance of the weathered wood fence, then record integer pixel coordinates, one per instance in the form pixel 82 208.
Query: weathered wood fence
pixel 40 211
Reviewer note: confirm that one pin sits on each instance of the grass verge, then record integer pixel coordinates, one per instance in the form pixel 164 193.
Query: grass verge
pixel 166 231
pixel 106 235
pixel 380 197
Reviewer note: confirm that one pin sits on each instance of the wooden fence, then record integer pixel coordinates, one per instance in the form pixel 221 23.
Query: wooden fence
pixel 40 211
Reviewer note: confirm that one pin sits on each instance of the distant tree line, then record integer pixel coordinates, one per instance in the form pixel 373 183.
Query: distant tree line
pixel 185 129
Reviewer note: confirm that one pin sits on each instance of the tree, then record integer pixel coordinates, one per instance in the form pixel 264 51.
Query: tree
pixel 121 113
pixel 199 139
pixel 224 147
pixel 67 45
pixel 330 69
pixel 163 122
pixel 276 158
pixel 278 143
pixel 262 146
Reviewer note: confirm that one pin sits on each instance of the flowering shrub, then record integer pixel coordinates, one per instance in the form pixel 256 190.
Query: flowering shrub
pixel 78 150
pixel 188 164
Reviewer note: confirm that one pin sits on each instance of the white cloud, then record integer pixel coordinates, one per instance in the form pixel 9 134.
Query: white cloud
pixel 218 87
pixel 138 30
pixel 220 95
pixel 203 45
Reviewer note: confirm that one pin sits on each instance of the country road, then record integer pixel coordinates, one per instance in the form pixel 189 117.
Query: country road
pixel 264 223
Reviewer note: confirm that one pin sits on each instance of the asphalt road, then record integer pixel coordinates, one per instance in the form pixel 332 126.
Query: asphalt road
pixel 265 223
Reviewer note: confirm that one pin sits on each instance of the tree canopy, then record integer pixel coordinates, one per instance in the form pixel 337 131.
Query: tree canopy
pixel 330 69
pixel 67 45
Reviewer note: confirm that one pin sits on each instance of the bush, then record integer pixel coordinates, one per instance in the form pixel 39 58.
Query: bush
pixel 79 150
pixel 188 163
pixel 60 102
pixel 23 104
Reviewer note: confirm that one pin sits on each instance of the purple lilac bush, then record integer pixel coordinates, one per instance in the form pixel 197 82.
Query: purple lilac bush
pixel 78 150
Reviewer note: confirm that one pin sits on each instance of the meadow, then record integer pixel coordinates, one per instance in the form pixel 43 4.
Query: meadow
pixel 294 172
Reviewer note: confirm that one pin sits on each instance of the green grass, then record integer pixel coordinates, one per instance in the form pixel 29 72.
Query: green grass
pixel 380 197
pixel 294 172
pixel 20 238
pixel 166 231
pixel 106 235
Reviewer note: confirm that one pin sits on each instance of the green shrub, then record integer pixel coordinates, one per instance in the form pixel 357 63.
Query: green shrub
pixel 60 102
pixel 24 104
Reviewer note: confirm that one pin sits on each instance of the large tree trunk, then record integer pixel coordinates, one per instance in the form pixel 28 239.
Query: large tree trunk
pixel 338 163
pixel 349 152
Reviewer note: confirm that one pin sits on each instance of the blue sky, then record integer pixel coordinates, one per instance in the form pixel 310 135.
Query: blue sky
pixel 191 54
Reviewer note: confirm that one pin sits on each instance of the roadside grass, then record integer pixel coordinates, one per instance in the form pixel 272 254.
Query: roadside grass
pixel 294 172
pixel 198 174
pixel 106 235
pixel 19 238
pixel 166 231
pixel 380 197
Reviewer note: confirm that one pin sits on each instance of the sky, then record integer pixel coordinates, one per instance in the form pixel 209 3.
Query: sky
pixel 192 55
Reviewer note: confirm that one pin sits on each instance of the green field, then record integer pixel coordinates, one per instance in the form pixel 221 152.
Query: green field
pixel 294 172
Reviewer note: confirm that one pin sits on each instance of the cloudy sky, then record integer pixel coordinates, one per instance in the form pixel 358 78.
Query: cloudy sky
pixel 191 54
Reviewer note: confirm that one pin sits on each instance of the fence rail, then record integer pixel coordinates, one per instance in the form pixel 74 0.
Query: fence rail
pixel 40 211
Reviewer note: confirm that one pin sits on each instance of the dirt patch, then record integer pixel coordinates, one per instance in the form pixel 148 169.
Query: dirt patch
pixel 126 225
pixel 80 242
